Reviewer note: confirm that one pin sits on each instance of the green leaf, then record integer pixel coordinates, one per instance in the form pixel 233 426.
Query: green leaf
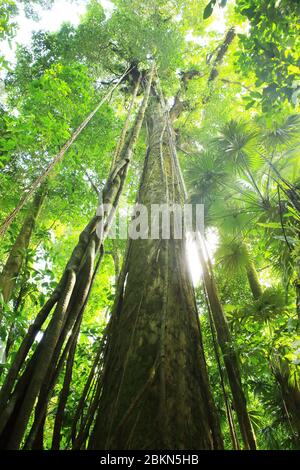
pixel 269 224
pixel 209 9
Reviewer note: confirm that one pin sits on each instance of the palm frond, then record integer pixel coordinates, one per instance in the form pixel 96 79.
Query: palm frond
pixel 204 175
pixel 283 133
pixel 271 303
pixel 232 254
pixel 236 140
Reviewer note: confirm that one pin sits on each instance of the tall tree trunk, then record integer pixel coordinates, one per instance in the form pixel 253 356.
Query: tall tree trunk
pixel 17 253
pixel 253 280
pixel 156 393
pixel 230 418
pixel 18 396
pixel 230 357
pixel 63 397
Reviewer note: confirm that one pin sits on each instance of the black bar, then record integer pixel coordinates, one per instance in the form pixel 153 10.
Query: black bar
pixel 88 460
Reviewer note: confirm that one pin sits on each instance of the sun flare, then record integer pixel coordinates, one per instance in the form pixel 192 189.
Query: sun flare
pixel 211 239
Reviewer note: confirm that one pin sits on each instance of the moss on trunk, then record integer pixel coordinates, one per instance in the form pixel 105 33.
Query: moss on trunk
pixel 156 393
pixel 253 280
pixel 17 253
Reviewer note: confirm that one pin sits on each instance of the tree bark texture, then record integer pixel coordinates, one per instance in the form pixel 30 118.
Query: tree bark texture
pixel 18 395
pixel 230 357
pixel 156 393
pixel 17 253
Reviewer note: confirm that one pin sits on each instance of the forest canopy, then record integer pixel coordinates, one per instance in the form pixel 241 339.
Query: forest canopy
pixel 139 342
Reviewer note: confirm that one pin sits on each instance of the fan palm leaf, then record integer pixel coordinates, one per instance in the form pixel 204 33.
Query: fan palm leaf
pixel 236 142
pixel 282 133
pixel 232 254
